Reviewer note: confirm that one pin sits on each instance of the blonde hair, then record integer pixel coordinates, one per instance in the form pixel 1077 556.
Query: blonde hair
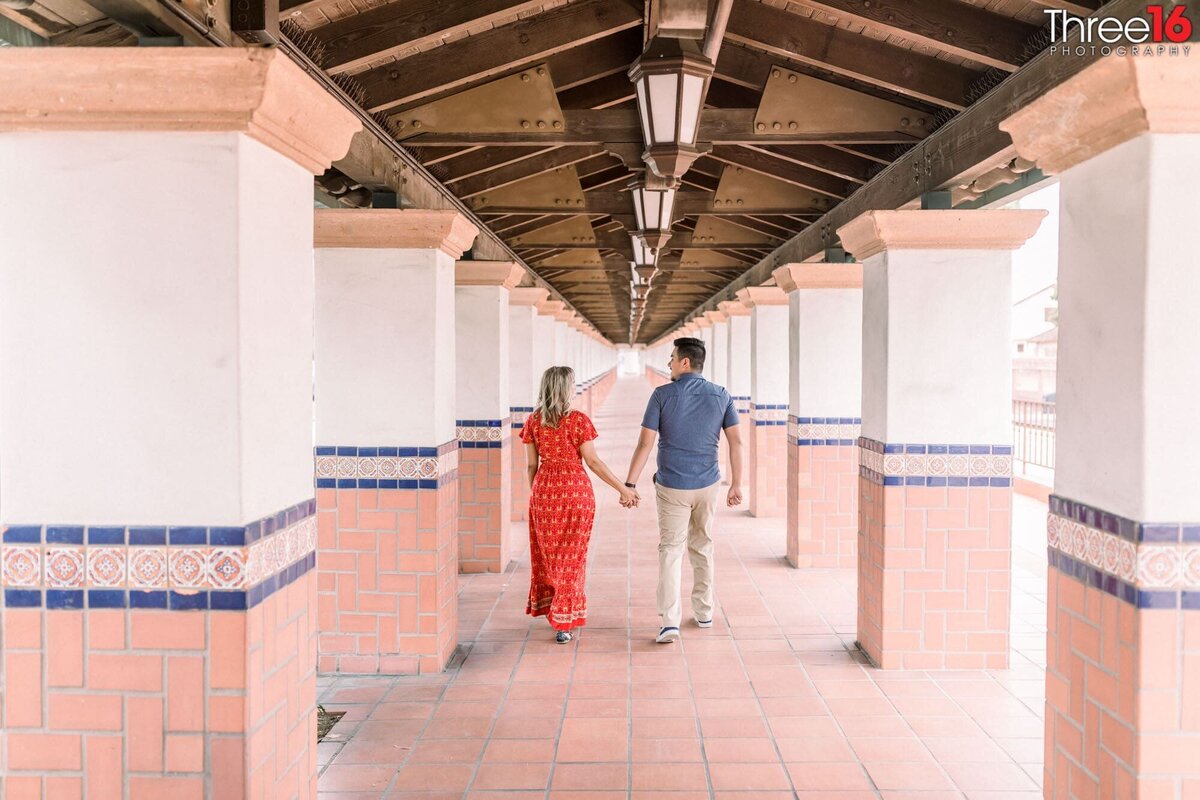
pixel 555 394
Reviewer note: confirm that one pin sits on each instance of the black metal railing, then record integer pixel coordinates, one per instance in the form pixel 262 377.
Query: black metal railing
pixel 1033 433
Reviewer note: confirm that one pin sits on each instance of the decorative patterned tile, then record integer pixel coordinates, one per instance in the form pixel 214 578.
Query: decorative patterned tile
pixel 106 567
pixel 226 567
pixel 935 464
pixel 64 567
pixel 188 568
pixel 148 568
pixel 22 566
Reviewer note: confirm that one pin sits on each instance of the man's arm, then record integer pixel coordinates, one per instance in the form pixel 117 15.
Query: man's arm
pixel 641 454
pixel 733 435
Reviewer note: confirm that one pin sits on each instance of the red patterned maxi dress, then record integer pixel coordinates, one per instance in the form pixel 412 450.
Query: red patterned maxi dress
pixel 561 508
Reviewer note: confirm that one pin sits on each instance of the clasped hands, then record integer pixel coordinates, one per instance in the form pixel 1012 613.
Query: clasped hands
pixel 630 497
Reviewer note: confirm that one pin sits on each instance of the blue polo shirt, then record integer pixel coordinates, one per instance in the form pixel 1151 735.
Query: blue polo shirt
pixel 689 414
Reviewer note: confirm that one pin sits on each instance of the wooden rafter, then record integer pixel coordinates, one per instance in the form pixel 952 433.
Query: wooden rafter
pixel 484 56
pixel 770 165
pixel 525 168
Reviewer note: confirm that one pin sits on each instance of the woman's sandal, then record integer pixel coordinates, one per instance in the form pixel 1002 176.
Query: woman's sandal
pixel 562 637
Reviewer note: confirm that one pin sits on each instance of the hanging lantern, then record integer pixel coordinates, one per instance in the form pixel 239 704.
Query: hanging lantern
pixel 653 205
pixel 671 80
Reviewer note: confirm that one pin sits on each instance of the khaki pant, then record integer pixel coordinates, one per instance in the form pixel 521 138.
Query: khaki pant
pixel 685 515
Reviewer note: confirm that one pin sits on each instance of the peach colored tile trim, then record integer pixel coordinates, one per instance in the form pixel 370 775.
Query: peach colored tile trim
pixel 528 296
pixel 488 273
pixel 715 316
pixel 379 228
pixel 733 308
pixel 877 231
pixel 754 296
pixel 551 308
pixel 791 277
pixel 1112 101
pixel 255 91
pixel 702 321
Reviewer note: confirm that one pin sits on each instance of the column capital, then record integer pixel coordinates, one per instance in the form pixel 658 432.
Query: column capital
pixel 551 308
pixel 1110 102
pixel 392 228
pixel 259 92
pixel 755 296
pixel 702 321
pixel 818 275
pixel 506 274
pixel 877 231
pixel 714 317
pixel 565 314
pixel 528 296
pixel 733 308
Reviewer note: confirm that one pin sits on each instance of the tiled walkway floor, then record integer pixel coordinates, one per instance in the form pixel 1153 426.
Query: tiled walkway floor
pixel 772 702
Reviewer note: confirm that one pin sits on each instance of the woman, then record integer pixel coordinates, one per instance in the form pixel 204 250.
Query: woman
pixel 561 502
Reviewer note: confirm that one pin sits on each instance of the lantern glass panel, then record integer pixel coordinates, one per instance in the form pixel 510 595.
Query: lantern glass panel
pixel 664 91
pixel 689 108
pixel 666 205
pixel 644 115
pixel 638 210
pixel 652 205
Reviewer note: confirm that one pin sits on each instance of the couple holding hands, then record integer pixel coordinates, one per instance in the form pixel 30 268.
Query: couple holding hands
pixel 687 417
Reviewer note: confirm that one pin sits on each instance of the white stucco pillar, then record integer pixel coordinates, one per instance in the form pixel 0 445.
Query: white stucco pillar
pixel 525 359
pixel 386 437
pixel 156 296
pixel 825 409
pixel 482 405
pixel 767 424
pixel 1124 137
pixel 717 369
pixel 936 434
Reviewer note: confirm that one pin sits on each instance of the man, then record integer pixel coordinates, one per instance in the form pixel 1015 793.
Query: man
pixel 688 414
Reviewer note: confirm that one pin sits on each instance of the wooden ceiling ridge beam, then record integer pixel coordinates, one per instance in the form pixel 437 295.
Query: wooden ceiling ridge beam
pixel 484 56
pixel 481 160
pixel 964 30
pixel 765 163
pixel 845 165
pixel 960 147
pixel 523 169
pixel 415 25
pixel 862 58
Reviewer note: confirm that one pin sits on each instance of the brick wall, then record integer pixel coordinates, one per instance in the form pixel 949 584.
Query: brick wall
pixel 519 465
pixel 485 507
pixel 768 460
pixel 166 703
pixel 386 572
pixel 822 506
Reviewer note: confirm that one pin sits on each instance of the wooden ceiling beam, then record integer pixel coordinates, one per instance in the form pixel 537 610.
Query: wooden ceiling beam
pixel 726 94
pixel 484 56
pixel 686 203
pixel 765 163
pixel 609 90
pixel 523 169
pixel 862 58
pixel 963 30
pixel 480 160
pixel 610 55
pixel 848 166
pixel 621 126
pixel 414 25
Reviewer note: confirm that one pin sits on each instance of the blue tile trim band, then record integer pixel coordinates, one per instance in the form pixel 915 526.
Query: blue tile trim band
pixel 952 465
pixel 823 431
pixel 343 467
pixel 480 434
pixel 220 568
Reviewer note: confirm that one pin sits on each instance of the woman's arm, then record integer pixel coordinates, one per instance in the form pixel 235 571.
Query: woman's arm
pixel 531 456
pixel 588 451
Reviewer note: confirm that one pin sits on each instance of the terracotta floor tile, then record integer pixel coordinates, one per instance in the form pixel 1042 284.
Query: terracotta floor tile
pixel 447 751
pixel 356 778
pixel 830 749
pixel 664 777
pixel 733 727
pixel 803 727
pixel 967 749
pixel 581 777
pixel 666 750
pixel 571 794
pixel 589 707
pixel 665 728
pixel 526 727
pixel 739 751
pixel 519 750
pixel 990 777
pixel 897 748
pixel 494 775
pixel 730 777
pixel 433 777
pixel 420 711
pixel 372 751
pixel 829 777
pixel 917 776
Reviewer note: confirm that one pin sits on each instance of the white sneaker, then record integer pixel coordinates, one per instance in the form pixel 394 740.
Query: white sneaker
pixel 667 635
pixel 704 623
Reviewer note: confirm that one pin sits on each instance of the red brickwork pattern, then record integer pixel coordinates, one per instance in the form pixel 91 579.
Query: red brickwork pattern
pixel 1122 696
pixel 387 565
pixel 934 576
pixel 165 704
pixel 484 508
pixel 822 506
pixel 768 469
pixel 519 474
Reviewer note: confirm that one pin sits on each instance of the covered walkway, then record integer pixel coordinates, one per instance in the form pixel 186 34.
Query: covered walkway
pixel 773 701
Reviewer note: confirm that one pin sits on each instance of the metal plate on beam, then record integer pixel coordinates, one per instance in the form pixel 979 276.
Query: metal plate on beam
pixel 557 189
pixel 575 230
pixel 707 258
pixel 573 258
pixel 711 231
pixel 524 102
pixel 743 188
pixel 795 103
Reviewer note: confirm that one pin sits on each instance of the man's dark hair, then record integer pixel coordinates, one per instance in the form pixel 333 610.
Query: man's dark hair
pixel 691 349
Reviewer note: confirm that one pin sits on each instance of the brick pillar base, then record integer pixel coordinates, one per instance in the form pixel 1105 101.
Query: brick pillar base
pixel 388 560
pixel 768 460
pixel 1122 656
pixel 161 668
pixel 484 496
pixel 519 464
pixel 822 493
pixel 934 555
